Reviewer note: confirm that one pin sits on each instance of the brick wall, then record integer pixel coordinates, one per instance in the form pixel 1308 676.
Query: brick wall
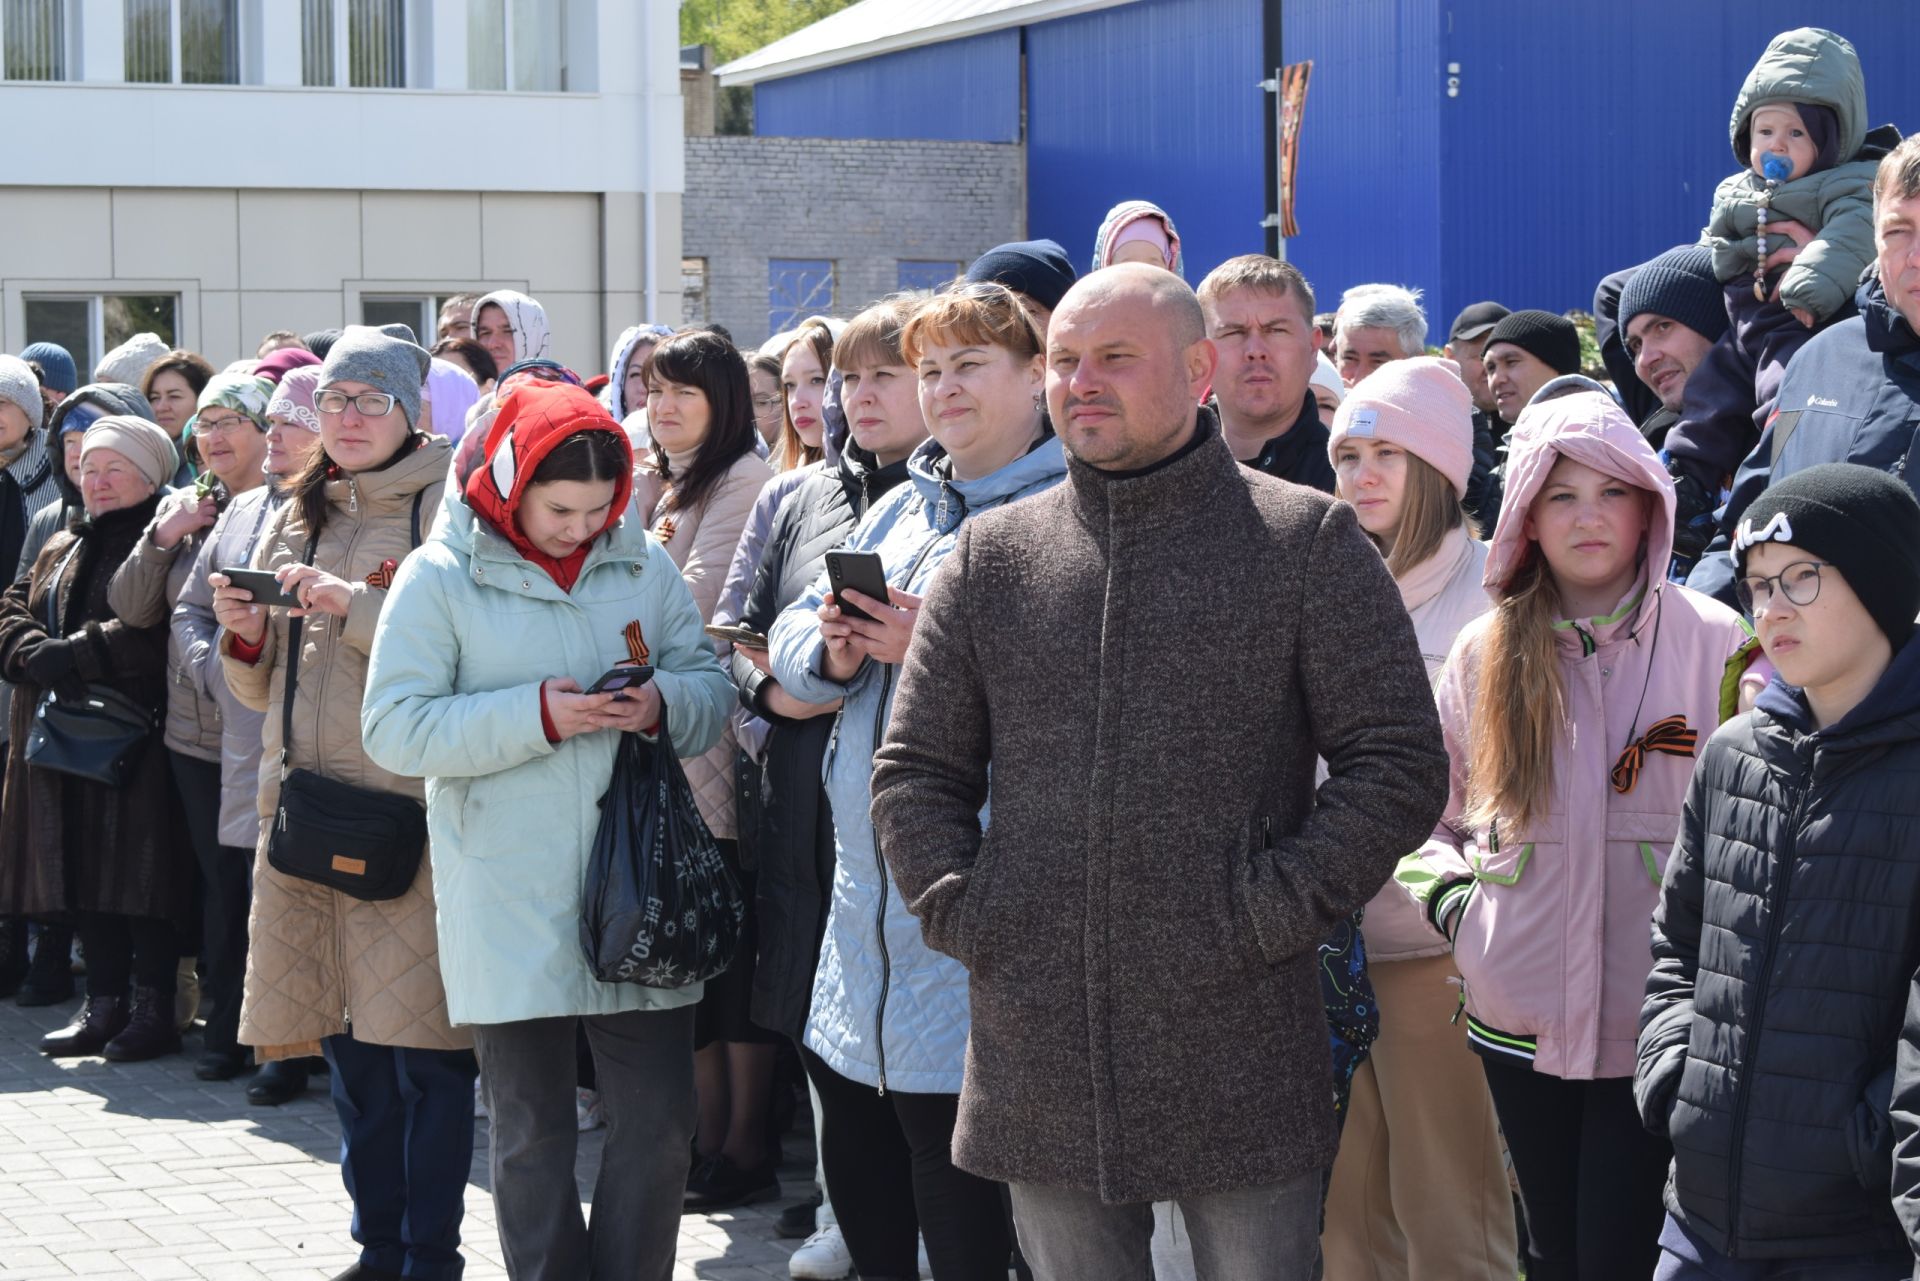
pixel 863 205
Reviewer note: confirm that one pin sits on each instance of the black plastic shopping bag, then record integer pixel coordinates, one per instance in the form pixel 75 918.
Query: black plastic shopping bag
pixel 661 907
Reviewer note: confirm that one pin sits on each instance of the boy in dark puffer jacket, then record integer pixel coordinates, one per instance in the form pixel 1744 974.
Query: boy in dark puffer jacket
pixel 1789 920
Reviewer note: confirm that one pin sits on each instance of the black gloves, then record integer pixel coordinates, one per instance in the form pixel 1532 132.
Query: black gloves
pixel 50 662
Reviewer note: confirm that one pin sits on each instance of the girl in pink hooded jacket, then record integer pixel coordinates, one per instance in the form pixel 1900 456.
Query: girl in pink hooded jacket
pixel 1601 681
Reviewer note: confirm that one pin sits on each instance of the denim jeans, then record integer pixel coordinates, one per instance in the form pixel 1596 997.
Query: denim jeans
pixel 406 1144
pixel 1271 1231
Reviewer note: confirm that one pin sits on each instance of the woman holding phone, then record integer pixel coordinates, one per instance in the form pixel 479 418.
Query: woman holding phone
pixel 328 972
pixel 886 1038
pixel 230 427
pixel 531 590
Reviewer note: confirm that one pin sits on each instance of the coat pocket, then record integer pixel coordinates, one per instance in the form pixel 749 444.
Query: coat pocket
pixel 1643 840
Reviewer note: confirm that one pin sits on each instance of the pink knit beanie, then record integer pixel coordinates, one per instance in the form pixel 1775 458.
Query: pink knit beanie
pixel 1419 404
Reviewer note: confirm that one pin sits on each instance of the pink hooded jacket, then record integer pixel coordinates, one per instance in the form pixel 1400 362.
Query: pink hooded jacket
pixel 1551 925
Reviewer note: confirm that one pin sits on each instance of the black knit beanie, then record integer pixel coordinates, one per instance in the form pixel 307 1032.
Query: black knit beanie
pixel 1858 519
pixel 1037 268
pixel 1541 333
pixel 1679 285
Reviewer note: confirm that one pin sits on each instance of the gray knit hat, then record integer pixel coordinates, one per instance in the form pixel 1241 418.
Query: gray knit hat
pixel 384 361
pixel 18 385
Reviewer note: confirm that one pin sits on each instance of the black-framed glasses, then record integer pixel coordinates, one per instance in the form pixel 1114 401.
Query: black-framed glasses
pixel 371 404
pixel 1798 582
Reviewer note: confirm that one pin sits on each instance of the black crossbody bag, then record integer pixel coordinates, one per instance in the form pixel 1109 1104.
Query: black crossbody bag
pixel 98 738
pixel 365 843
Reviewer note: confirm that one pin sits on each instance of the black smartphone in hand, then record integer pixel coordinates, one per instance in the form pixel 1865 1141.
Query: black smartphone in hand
pixel 265 587
pixel 621 678
pixel 863 572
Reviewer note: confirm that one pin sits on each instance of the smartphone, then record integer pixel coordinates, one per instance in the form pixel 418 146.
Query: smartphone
pixel 264 586
pixel 625 677
pixel 738 634
pixel 863 572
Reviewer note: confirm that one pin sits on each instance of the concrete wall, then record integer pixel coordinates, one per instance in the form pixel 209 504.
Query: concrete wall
pixel 245 262
pixel 864 205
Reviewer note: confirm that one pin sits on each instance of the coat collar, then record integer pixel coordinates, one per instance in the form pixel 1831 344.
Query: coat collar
pixel 1184 483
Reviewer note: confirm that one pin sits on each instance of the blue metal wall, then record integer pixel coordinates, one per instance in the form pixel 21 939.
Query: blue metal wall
pixel 1156 100
pixel 963 90
pixel 1370 143
pixel 1583 138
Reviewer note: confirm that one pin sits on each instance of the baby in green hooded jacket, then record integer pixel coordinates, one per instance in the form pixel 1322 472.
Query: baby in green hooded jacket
pixel 1799 127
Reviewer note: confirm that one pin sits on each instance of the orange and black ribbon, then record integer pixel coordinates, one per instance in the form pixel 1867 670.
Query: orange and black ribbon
pixel 1670 736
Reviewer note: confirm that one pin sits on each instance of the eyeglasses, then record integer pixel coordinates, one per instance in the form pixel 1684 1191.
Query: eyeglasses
pixel 766 402
pixel 371 404
pixel 1798 582
pixel 205 426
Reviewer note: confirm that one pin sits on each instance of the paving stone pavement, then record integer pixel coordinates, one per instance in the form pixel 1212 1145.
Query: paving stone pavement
pixel 139 1172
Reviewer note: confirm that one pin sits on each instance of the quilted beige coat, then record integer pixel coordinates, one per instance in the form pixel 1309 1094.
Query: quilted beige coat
pixel 320 962
pixel 701 543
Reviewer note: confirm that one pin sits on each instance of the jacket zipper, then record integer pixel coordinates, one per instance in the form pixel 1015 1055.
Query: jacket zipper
pixel 1777 901
pixel 879 859
pixel 319 726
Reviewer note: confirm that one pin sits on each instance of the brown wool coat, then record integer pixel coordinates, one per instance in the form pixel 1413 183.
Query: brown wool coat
pixel 67 844
pixel 1151 666
pixel 317 957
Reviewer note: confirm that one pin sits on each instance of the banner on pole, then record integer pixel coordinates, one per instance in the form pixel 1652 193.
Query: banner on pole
pixel 1292 103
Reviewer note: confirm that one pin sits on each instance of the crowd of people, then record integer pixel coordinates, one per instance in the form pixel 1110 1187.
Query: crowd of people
pixel 1362 811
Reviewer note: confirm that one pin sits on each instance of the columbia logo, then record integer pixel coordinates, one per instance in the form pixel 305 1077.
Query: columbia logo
pixel 1823 402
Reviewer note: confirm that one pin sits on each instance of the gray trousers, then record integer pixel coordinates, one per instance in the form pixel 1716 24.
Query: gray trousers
pixel 1271 1232
pixel 644 1064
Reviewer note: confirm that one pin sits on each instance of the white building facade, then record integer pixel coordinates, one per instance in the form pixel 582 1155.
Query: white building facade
pixel 217 169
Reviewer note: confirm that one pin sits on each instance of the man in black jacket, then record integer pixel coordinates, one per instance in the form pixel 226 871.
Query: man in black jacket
pixel 1259 314
pixel 1466 343
pixel 1789 921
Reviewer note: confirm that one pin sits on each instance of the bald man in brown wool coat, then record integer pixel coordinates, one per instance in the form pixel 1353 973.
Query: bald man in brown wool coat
pixel 1150 658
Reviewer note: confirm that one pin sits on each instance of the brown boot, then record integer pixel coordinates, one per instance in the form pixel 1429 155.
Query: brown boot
pixel 149 1033
pixel 101 1018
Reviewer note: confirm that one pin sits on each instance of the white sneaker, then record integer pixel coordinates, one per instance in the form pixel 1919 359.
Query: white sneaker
pixel 822 1257
pixel 586 1109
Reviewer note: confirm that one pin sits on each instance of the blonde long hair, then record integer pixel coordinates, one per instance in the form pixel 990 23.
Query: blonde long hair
pixel 1519 705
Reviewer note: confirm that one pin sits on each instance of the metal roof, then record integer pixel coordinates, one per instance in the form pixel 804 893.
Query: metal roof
pixel 886 26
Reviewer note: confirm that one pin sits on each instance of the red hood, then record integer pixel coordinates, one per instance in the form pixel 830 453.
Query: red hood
pixel 533 421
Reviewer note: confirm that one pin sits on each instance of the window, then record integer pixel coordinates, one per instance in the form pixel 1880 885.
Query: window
pixel 377 44
pixel 915 274
pixel 91 325
pixel 416 313
pixel 797 288
pixel 529 36
pixel 693 291
pixel 36 39
pixel 204 34
pixel 316 42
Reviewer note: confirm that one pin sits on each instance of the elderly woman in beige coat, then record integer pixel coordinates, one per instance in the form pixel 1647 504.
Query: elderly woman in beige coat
pixel 326 971
pixel 695 493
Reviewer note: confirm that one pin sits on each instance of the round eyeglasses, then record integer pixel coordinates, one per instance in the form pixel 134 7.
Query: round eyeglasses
pixel 1798 582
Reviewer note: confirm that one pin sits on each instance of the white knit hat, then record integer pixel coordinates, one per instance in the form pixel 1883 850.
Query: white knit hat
pixel 19 386
pixel 1325 375
pixel 128 363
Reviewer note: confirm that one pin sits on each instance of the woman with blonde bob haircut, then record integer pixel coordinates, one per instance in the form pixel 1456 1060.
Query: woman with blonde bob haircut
pixel 1573 712
pixel 1419 1116
pixel 886 1033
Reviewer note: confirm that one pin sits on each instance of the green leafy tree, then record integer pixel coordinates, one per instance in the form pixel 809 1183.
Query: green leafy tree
pixel 735 28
